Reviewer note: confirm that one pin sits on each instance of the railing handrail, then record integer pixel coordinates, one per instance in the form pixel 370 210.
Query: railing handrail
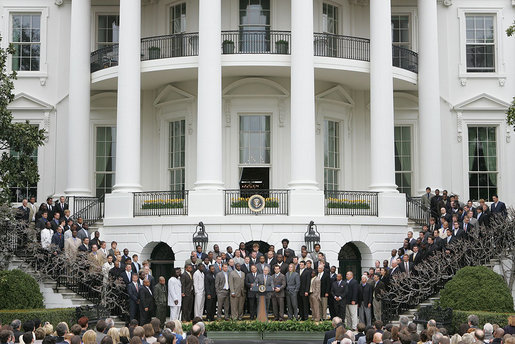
pixel 355 38
pixel 344 202
pixel 416 203
pixel 95 201
pixel 149 203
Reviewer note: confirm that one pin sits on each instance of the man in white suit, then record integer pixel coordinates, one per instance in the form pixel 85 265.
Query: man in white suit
pixel 198 287
pixel 175 295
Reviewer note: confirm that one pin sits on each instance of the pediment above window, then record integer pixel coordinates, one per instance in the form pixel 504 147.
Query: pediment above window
pixel 255 87
pixel 172 95
pixel 23 101
pixel 482 102
pixel 336 95
pixel 104 101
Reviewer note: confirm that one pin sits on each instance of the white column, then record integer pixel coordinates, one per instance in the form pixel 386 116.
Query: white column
pixel 78 143
pixel 382 174
pixel 303 162
pixel 209 118
pixel 429 97
pixel 128 121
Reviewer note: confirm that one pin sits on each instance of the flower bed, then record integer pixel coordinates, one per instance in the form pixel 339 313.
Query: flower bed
pixel 347 203
pixel 242 202
pixel 163 203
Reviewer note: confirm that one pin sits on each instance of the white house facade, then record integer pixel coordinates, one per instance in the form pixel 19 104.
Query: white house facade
pixel 162 114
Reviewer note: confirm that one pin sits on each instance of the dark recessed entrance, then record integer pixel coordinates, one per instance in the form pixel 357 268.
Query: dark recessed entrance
pixel 162 261
pixel 263 246
pixel 350 260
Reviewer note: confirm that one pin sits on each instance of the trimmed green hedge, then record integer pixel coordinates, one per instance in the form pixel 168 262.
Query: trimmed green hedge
pixel 460 317
pixel 19 291
pixel 271 326
pixel 477 288
pixel 53 316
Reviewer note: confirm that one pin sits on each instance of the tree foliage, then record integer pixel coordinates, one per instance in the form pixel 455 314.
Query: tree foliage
pixel 510 114
pixel 22 138
pixel 477 288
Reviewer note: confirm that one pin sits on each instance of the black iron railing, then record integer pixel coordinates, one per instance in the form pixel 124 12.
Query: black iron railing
pixel 152 48
pixel 90 209
pixel 344 47
pixel 416 212
pixel 359 203
pixel 237 202
pixel 159 203
pixel 256 42
pixel 405 59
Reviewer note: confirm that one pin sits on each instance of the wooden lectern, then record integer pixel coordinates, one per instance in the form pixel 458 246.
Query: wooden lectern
pixel 262 293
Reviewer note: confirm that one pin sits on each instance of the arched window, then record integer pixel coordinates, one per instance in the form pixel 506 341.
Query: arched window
pixel 350 260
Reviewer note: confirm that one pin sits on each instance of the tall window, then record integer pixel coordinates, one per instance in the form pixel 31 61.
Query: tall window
pixel 331 155
pixel 26 39
pixel 480 43
pixel 105 160
pixel 482 162
pixel 108 30
pixel 19 192
pixel 254 140
pixel 178 18
pixel 401 31
pixel 330 18
pixel 403 171
pixel 254 26
pixel 177 154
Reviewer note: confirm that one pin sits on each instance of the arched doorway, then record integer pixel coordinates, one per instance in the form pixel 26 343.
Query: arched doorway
pixel 162 261
pixel 350 260
pixel 263 246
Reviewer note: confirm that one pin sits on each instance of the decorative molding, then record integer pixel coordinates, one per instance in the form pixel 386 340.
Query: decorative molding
pixel 172 95
pixel 336 95
pixel 359 2
pixel 42 81
pixel 459 118
pixel 59 2
pixel 282 112
pixel 227 112
pixel 255 88
pixel 463 82
pixel 482 102
pixel 23 101
pixel 445 2
pixel 508 129
pixel 502 81
pixel 348 123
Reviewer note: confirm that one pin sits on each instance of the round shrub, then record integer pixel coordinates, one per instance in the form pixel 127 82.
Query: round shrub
pixel 19 291
pixel 477 288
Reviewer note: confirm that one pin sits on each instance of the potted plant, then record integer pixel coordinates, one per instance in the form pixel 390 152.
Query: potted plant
pixel 281 47
pixel 228 47
pixel 154 53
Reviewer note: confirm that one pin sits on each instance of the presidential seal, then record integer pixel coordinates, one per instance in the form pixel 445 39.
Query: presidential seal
pixel 262 288
pixel 256 203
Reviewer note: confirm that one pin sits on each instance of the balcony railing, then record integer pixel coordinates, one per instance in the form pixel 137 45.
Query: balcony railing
pixel 416 212
pixel 359 203
pixel 254 42
pixel 90 209
pixel 237 202
pixel 158 203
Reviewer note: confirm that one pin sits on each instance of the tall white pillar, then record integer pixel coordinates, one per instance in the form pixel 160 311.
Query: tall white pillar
pixel 382 174
pixel 208 198
pixel 78 143
pixel 303 162
pixel 209 118
pixel 306 198
pixel 429 97
pixel 128 121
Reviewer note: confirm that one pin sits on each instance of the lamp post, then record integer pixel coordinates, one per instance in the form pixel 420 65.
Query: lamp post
pixel 312 236
pixel 200 236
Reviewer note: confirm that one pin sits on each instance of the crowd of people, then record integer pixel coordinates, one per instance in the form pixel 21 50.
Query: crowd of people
pixel 224 285
pixel 171 332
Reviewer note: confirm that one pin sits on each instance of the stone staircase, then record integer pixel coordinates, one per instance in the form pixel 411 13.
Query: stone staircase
pixel 53 296
pixel 410 313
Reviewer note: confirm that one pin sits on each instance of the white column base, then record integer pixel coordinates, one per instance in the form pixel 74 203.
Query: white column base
pixel 391 204
pixel 391 188
pixel 78 192
pixel 306 203
pixel 206 203
pixel 126 188
pixel 119 205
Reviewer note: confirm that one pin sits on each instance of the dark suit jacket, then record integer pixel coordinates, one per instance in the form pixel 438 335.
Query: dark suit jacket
pixel 379 289
pixel 209 284
pixel 134 267
pixel 417 259
pixel 403 268
pixel 126 279
pixel 328 335
pixel 352 291
pixel 54 224
pixel 244 268
pixel 133 293
pixel 23 214
pixel 58 240
pixel 365 293
pixel 325 284
pixel 340 291
pixel 305 281
pixel 146 300
pixel 59 209
pixel 499 209
pixel 249 281
pixel 283 251
pixel 186 284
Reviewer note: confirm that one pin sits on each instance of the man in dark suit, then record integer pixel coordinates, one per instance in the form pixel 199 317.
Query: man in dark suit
pixel 133 291
pixel 50 207
pixel 279 284
pixel 435 211
pixel 61 206
pixel 379 289
pixel 200 255
pixel 365 296
pixel 339 293
pixel 245 267
pixel 283 251
pixel 261 265
pixel 127 275
pixel 292 291
pixel 23 211
pixel 251 281
pixel 266 280
pixel 330 301
pixel 210 292
pixel 55 221
pixel 406 267
pixel 305 283
pixel 187 293
pixel 467 227
pixel 146 303
pixel 498 207
pixel 325 290
pixel 136 267
pixel 416 256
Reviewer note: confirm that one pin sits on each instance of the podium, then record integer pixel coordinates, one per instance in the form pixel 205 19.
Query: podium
pixel 262 293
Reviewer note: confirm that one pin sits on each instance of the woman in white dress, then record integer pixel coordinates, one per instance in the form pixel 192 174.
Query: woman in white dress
pixel 175 294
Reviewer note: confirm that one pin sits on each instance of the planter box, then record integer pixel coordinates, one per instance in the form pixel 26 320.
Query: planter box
pixel 154 53
pixel 228 47
pixel 281 48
